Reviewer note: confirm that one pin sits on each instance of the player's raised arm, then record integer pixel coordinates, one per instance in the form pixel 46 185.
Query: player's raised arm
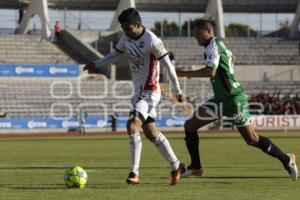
pixel 204 72
pixel 108 59
pixel 211 64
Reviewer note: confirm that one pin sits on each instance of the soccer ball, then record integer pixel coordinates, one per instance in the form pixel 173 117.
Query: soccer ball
pixel 75 177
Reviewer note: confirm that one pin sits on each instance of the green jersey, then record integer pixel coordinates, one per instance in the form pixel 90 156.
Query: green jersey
pixel 224 83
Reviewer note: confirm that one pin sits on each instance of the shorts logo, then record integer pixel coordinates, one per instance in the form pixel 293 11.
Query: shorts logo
pixel 240 118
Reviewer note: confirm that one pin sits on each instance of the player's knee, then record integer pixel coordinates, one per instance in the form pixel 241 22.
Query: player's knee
pixel 151 137
pixel 150 132
pixel 187 124
pixel 252 141
pixel 189 127
pixel 133 126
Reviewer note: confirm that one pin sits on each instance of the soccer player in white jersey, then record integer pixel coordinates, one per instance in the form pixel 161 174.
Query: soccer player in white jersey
pixel 145 51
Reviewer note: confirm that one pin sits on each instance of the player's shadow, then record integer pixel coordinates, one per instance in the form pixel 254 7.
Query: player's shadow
pixel 33 168
pixel 228 180
pixel 243 177
pixel 107 186
pixel 34 186
pixel 102 186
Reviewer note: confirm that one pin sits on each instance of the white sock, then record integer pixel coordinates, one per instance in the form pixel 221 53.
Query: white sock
pixel 135 152
pixel 164 147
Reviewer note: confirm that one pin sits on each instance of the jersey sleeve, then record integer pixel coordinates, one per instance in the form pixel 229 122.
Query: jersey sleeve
pixel 158 49
pixel 212 55
pixel 120 46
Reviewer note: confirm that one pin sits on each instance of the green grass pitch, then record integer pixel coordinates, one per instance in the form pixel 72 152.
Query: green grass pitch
pixel 33 168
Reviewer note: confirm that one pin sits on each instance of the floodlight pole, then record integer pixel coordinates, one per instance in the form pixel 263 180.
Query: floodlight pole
pixel 296 22
pixel 65 18
pixel 214 11
pixel 123 4
pixel 40 8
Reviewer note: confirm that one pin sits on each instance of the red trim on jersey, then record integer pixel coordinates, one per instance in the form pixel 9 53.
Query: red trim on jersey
pixel 151 83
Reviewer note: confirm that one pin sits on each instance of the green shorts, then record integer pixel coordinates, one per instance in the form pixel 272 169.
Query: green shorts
pixel 235 108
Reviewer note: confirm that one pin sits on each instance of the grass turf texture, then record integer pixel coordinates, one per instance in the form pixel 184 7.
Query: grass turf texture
pixel 33 168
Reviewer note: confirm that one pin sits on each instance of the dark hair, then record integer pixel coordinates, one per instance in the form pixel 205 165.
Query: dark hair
pixel 130 16
pixel 204 24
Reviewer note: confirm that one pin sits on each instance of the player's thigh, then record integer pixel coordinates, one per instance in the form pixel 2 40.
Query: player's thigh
pixel 249 134
pixel 238 110
pixel 150 129
pixel 201 117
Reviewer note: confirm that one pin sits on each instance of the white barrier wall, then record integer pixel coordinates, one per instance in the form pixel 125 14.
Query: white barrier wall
pixel 271 72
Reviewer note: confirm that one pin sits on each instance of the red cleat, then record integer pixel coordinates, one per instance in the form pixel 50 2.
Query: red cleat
pixel 176 175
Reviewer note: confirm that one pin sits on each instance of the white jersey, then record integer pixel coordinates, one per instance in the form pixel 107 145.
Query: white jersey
pixel 143 55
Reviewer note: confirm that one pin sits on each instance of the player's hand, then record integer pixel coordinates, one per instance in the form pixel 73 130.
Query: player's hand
pixel 180 97
pixel 90 67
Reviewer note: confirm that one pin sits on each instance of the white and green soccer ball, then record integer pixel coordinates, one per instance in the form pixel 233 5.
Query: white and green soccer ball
pixel 75 177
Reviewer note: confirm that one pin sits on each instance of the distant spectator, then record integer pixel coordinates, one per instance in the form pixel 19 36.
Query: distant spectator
pixel 265 76
pixel 57 30
pixel 113 121
pixel 276 104
pixel 299 48
pixel 79 26
pixel 81 116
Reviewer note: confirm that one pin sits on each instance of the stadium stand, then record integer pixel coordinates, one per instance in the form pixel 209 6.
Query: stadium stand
pixel 16 49
pixel 266 93
pixel 36 97
pixel 249 51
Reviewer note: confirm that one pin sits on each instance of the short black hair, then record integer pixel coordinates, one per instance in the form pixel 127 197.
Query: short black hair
pixel 130 16
pixel 204 24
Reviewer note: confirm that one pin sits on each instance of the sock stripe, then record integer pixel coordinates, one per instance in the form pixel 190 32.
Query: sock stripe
pixel 172 163
pixel 160 143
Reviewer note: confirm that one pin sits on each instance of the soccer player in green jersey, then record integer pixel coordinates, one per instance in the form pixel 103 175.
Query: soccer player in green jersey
pixel 229 100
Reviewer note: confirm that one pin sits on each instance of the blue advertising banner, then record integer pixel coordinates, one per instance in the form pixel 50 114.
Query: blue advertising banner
pixel 263 122
pixel 61 70
pixel 35 70
pixel 6 69
pixel 73 123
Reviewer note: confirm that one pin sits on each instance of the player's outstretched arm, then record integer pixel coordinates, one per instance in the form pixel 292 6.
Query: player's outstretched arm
pixel 172 73
pixel 106 60
pixel 204 72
